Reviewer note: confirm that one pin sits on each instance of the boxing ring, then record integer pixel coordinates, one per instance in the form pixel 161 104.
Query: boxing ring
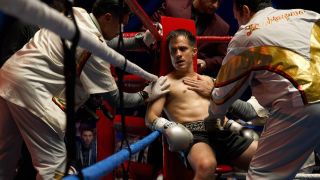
pixel 44 16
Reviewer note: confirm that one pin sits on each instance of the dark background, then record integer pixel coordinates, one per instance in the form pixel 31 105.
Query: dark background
pixel 225 11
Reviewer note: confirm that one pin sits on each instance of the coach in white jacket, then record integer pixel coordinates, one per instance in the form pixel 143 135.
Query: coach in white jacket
pixel 276 52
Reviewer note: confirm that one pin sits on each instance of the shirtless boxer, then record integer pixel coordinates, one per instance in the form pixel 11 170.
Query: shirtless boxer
pixel 186 110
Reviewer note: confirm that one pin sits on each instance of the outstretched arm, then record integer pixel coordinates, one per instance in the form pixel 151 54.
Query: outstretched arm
pixel 151 92
pixel 247 111
pixel 131 43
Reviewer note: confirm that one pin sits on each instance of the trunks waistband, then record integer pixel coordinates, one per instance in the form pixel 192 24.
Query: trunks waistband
pixel 195 126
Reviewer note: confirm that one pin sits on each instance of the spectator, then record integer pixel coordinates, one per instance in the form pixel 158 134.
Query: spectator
pixel 86 147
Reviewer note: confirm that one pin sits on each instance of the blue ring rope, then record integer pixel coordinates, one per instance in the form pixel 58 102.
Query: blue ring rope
pixel 107 165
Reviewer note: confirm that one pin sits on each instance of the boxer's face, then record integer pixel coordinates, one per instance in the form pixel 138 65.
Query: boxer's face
pixel 181 53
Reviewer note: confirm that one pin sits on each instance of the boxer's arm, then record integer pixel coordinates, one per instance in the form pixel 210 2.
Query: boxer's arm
pixel 178 137
pixel 154 110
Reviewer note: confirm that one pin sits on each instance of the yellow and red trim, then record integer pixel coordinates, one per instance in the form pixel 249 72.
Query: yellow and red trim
pixel 304 74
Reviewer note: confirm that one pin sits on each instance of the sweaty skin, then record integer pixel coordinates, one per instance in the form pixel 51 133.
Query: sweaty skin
pixel 184 105
pixel 181 104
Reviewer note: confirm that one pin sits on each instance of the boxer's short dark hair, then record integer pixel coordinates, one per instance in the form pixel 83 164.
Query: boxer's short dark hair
pixel 182 32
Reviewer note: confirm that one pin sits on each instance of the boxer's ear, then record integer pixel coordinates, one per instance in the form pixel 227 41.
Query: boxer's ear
pixel 195 51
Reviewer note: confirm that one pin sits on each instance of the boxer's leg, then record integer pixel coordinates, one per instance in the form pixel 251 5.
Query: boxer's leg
pixel 203 161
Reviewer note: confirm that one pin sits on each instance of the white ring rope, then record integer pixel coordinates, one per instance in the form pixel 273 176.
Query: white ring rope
pixel 38 13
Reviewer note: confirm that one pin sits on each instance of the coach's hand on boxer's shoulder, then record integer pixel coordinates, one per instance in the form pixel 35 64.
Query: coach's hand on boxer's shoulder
pixel 157 89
